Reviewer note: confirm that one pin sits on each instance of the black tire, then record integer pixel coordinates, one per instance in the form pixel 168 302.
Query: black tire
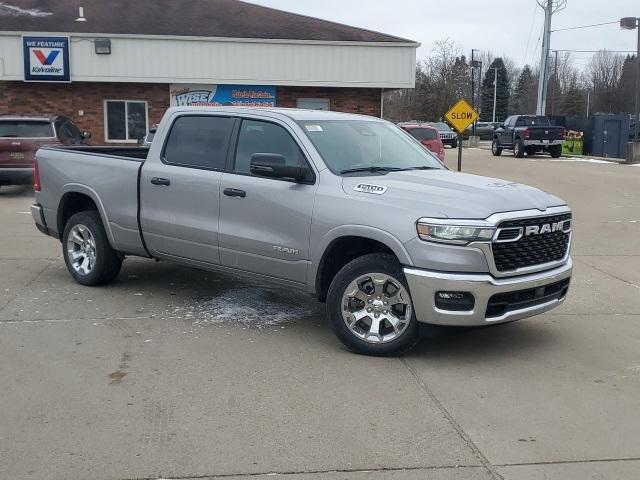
pixel 496 149
pixel 518 149
pixel 107 262
pixel 454 144
pixel 371 263
pixel 555 151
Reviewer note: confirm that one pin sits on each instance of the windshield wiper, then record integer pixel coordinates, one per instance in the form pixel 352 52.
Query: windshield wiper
pixel 422 167
pixel 372 169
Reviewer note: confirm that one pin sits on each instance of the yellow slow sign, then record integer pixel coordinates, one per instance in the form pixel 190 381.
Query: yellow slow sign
pixel 461 115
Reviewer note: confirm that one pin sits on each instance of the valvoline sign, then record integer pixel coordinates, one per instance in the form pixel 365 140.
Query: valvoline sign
pixel 46 59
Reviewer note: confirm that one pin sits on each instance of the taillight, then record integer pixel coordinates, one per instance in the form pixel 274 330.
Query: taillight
pixel 526 133
pixel 565 134
pixel 36 177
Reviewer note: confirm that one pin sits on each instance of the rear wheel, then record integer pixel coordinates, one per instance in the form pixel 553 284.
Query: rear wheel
pixel 87 253
pixel 555 151
pixel 370 309
pixel 496 149
pixel 518 149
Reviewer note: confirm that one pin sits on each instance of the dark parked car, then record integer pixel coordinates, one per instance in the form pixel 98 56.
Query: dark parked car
pixel 484 130
pixel 448 136
pixel 20 137
pixel 528 134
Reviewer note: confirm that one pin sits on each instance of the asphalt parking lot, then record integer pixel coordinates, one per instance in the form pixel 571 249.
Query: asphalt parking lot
pixel 177 373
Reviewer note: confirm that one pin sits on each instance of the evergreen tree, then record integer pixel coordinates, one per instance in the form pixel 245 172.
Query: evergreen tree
pixel 526 92
pixel 626 87
pixel 502 93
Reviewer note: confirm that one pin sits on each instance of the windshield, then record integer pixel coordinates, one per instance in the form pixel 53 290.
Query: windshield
pixel 363 144
pixel 25 129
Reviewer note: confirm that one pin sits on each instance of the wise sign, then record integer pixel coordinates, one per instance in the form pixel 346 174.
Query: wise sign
pixel 461 115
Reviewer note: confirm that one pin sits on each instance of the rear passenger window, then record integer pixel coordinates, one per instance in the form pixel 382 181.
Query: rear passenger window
pixel 264 137
pixel 199 142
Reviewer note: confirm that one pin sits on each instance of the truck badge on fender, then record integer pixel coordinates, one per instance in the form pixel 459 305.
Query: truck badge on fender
pixel 369 188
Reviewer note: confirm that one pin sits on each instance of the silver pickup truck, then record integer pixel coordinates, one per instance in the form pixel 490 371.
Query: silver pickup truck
pixel 348 208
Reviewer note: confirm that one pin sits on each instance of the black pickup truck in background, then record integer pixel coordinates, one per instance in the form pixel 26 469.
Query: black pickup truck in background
pixel 528 134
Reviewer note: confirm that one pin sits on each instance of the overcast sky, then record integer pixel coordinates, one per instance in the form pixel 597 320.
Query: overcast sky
pixel 501 26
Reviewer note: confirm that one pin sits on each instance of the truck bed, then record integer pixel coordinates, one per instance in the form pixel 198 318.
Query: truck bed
pixel 107 175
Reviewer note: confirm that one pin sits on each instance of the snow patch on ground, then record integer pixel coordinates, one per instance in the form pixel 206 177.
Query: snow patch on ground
pixel 251 307
pixel 580 159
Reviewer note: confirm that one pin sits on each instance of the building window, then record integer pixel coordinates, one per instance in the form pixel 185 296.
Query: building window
pixel 125 120
pixel 314 103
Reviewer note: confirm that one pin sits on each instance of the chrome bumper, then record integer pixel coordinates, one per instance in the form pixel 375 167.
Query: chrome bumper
pixel 424 284
pixel 542 143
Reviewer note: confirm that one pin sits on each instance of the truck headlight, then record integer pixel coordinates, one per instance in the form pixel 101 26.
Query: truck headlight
pixel 453 234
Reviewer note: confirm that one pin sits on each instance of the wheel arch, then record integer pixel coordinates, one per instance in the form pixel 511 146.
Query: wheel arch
pixel 78 198
pixel 344 244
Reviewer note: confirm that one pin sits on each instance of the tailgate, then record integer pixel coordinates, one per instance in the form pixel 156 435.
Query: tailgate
pixel 21 138
pixel 546 133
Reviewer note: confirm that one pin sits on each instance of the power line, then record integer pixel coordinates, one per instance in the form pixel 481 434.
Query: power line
pixel 595 51
pixel 533 20
pixel 585 26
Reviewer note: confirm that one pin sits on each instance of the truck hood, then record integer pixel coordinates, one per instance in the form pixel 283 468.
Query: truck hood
pixel 448 194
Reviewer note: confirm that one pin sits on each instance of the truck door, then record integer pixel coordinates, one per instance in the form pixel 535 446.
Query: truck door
pixel 506 135
pixel 180 191
pixel 265 223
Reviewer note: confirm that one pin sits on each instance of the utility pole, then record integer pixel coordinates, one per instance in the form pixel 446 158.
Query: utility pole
pixel 495 92
pixel 556 86
pixel 629 23
pixel 550 7
pixel 474 64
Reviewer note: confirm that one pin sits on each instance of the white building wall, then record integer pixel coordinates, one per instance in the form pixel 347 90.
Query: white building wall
pixel 233 61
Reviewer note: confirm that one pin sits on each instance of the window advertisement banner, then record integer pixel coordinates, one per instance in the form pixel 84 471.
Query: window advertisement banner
pixel 46 59
pixel 222 95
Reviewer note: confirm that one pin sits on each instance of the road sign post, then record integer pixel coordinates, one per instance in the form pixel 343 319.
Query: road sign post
pixel 460 116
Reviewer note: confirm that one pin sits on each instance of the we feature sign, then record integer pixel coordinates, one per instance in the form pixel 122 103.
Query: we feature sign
pixel 46 59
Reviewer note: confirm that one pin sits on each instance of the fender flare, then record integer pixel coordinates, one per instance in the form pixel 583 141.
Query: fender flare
pixel 93 195
pixel 319 249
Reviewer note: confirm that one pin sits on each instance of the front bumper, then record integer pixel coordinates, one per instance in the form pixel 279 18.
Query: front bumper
pixel 424 285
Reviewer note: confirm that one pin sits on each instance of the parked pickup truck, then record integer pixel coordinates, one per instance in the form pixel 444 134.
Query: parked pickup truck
pixel 528 134
pixel 345 207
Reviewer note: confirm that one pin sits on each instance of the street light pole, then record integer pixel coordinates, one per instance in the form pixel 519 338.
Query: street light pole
pixel 629 23
pixel 495 92
pixel 474 64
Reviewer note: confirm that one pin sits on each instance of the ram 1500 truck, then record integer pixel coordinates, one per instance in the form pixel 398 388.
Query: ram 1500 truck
pixel 346 207
pixel 528 134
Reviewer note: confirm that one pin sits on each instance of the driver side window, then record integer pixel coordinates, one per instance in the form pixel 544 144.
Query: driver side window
pixel 264 137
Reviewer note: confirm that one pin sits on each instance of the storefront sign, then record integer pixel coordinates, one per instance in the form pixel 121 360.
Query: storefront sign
pixel 46 59
pixel 222 95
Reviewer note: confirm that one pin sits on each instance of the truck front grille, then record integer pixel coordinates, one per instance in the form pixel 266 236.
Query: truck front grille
pixel 531 250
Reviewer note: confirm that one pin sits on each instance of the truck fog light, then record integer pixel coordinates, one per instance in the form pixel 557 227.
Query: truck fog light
pixel 455 301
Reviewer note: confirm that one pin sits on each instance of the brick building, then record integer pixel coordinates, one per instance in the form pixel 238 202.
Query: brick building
pixel 120 64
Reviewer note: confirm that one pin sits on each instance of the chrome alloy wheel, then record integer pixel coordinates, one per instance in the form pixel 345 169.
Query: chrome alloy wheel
pixel 81 248
pixel 376 308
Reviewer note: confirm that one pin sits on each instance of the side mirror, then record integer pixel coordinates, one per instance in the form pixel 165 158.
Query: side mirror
pixel 272 165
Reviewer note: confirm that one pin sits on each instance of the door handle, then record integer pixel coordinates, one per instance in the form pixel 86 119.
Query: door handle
pixel 161 181
pixel 234 192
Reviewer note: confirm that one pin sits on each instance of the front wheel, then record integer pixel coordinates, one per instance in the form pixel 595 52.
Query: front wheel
pixel 87 253
pixel 369 307
pixel 496 149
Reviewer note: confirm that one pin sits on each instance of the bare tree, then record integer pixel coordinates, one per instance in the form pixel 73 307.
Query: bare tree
pixel 603 75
